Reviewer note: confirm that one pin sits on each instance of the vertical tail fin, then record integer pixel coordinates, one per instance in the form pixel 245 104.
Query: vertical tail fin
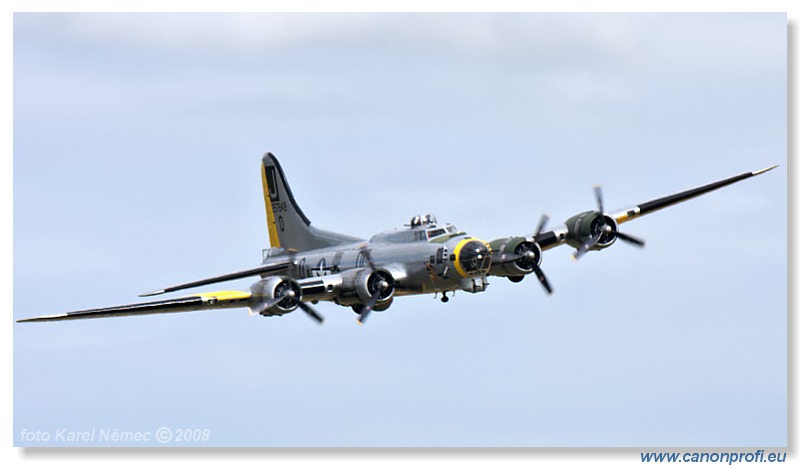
pixel 288 226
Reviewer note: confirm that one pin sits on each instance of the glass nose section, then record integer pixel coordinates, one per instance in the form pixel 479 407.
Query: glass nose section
pixel 475 258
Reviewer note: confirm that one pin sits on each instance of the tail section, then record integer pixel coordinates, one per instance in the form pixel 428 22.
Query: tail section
pixel 288 226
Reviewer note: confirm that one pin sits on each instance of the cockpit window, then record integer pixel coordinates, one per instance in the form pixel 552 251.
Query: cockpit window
pixel 417 233
pixel 402 236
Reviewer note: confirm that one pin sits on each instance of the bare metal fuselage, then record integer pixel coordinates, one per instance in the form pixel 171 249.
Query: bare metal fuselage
pixel 417 267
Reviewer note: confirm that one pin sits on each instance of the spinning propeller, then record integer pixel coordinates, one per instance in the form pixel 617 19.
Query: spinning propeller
pixel 379 283
pixel 604 230
pixel 534 262
pixel 526 256
pixel 287 296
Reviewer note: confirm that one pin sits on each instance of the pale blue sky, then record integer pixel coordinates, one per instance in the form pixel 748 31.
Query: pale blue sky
pixel 137 140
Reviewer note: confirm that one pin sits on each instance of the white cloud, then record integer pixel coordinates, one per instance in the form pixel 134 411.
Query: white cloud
pixel 544 35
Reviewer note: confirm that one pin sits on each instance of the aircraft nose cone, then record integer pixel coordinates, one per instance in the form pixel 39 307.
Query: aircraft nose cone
pixel 473 257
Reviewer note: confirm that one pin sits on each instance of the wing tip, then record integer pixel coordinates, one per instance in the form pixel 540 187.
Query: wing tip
pixel 152 293
pixel 761 171
pixel 41 318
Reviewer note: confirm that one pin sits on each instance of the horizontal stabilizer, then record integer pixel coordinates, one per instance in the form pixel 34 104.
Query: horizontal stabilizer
pixel 260 270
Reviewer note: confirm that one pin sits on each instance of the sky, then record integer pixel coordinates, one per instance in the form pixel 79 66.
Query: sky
pixel 137 143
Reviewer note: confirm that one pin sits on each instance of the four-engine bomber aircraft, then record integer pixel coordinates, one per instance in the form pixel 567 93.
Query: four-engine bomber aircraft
pixel 307 265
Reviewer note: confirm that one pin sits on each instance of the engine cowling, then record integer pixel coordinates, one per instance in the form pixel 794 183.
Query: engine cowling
pixel 526 251
pixel 379 281
pixel 587 225
pixel 275 296
pixel 359 287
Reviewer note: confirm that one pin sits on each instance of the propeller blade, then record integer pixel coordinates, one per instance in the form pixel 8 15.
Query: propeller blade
pixel 598 194
pixel 311 312
pixel 542 223
pixel 631 239
pixel 586 246
pixel 363 316
pixel 373 300
pixel 265 305
pixel 368 255
pixel 275 301
pixel 542 279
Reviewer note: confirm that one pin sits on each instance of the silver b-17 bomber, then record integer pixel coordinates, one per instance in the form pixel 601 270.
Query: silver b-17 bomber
pixel 308 265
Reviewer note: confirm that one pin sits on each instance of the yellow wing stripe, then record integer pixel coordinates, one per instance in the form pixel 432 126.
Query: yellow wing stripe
pixel 273 231
pixel 225 295
pixel 202 301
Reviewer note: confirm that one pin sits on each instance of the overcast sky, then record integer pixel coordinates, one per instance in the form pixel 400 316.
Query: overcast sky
pixel 137 142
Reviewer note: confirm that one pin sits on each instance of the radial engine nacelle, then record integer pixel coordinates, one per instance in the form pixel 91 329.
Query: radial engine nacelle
pixel 369 286
pixel 514 256
pixel 596 230
pixel 586 227
pixel 275 296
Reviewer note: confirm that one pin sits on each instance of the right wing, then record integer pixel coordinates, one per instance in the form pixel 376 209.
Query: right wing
pixel 199 302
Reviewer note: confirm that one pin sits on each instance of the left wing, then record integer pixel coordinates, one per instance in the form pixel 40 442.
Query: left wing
pixel 199 302
pixel 649 207
pixel 594 230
